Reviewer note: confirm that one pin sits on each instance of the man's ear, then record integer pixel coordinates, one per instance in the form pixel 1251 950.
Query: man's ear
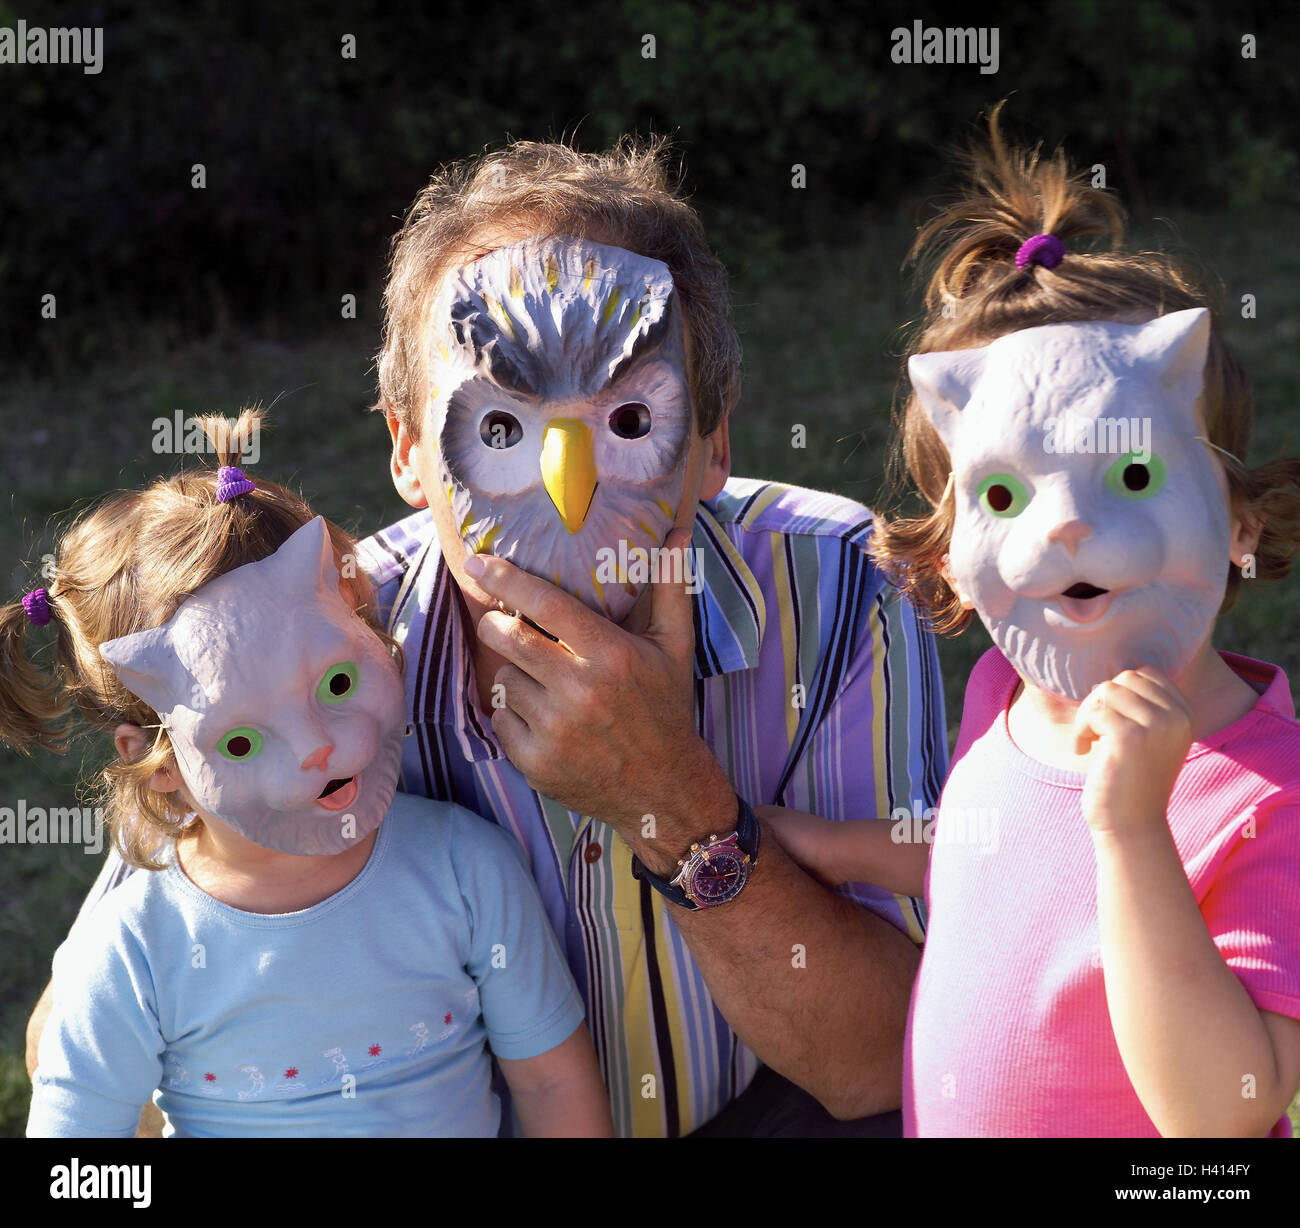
pixel 132 744
pixel 717 468
pixel 403 466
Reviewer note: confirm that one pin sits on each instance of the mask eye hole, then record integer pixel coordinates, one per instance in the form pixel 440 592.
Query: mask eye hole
pixel 338 683
pixel 630 421
pixel 1133 478
pixel 240 744
pixel 500 429
pixel 1002 495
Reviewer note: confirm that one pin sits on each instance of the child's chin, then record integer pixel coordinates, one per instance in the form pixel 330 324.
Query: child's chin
pixel 1047 663
pixel 317 833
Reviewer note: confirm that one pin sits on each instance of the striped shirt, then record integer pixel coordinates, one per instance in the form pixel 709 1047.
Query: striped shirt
pixel 816 687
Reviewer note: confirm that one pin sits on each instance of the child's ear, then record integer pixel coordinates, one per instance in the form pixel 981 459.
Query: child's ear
pixel 1246 530
pixel 132 744
pixel 945 570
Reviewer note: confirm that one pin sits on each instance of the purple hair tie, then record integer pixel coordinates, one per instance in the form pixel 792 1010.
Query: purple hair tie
pixel 37 607
pixel 231 483
pixel 1046 250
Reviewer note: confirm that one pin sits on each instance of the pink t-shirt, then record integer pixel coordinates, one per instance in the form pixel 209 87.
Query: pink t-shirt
pixel 1009 1034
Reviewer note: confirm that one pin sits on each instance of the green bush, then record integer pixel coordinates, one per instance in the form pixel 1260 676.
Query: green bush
pixel 310 157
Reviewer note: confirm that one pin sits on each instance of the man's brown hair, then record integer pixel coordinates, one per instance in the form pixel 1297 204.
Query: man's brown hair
pixel 623 196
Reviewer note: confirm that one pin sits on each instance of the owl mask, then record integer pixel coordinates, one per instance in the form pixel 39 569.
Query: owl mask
pixel 562 412
pixel 1091 528
pixel 284 709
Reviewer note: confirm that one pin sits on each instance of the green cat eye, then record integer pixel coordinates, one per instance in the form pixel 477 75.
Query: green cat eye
pixel 240 744
pixel 1131 478
pixel 1002 495
pixel 339 682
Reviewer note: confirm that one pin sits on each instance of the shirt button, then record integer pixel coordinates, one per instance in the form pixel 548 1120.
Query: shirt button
pixel 592 853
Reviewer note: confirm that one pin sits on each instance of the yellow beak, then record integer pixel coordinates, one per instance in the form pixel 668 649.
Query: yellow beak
pixel 569 469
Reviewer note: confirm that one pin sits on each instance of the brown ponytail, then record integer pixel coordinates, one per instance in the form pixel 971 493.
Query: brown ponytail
pixel 34 709
pixel 976 294
pixel 125 566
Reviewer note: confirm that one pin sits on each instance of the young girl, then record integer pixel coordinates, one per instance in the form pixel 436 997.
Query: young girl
pixel 310 952
pixel 1114 883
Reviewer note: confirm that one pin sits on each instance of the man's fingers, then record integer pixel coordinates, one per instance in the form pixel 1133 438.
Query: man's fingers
pixel 672 616
pixel 549 607
pixel 514 735
pixel 522 645
pixel 520 693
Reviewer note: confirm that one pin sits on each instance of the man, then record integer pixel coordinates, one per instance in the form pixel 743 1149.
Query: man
pixel 615 728
pixel 794 676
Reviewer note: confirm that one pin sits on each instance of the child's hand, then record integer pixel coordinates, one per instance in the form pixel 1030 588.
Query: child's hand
pixel 809 840
pixel 1143 728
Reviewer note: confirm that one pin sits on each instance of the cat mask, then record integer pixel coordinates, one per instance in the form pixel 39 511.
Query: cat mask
pixel 285 710
pixel 561 409
pixel 1091 525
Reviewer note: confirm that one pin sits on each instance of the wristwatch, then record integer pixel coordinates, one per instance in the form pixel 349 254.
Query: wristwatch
pixel 713 871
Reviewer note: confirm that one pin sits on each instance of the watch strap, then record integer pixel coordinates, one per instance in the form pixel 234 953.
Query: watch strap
pixel 747 833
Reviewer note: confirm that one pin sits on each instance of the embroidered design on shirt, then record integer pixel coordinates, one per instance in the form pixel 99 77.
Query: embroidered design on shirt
pixel 289 1082
pixel 375 1060
pixel 421 1031
pixel 293 1080
pixel 341 1067
pixel 175 1075
pixel 256 1083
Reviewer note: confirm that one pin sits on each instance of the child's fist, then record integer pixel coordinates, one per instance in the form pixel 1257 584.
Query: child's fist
pixel 1142 727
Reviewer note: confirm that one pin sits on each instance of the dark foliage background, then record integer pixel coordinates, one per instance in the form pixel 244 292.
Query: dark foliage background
pixel 310 156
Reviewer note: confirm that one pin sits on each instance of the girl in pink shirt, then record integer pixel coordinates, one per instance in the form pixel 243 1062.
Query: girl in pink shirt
pixel 1114 883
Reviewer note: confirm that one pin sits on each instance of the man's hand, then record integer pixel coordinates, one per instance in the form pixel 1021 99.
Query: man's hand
pixel 603 720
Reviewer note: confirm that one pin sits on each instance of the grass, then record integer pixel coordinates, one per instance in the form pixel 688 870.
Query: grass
pixel 821 342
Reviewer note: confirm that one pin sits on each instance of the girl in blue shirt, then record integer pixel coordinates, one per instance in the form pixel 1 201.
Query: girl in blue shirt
pixel 309 952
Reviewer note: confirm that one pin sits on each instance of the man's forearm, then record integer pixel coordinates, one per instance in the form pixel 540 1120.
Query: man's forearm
pixel 815 984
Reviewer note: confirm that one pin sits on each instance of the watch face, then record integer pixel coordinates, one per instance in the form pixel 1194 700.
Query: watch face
pixel 720 878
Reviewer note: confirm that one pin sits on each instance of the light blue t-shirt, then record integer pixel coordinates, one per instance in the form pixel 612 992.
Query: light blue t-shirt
pixel 365 1014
